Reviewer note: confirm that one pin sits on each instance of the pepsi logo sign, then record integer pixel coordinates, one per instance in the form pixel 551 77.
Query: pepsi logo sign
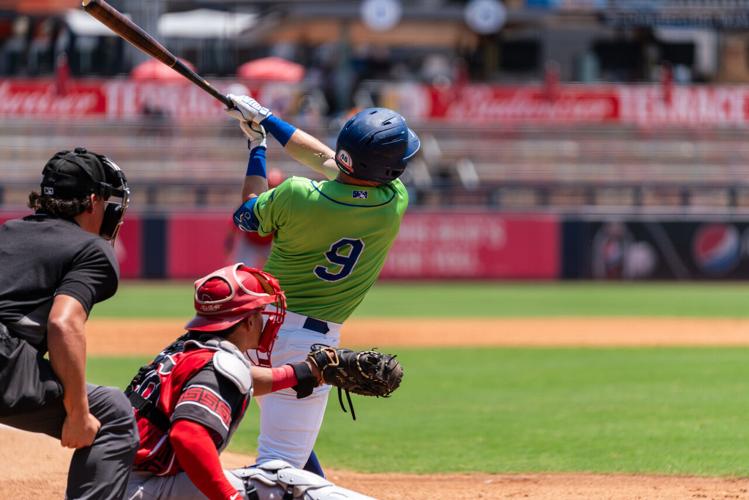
pixel 344 160
pixel 716 248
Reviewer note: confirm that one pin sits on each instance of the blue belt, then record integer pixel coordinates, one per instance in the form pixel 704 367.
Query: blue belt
pixel 316 325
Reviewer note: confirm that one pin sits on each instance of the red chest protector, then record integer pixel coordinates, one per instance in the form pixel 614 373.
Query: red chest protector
pixel 154 393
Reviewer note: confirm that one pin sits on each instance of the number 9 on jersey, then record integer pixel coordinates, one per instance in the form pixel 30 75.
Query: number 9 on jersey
pixel 342 256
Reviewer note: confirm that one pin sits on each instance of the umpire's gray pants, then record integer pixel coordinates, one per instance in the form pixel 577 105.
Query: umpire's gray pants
pixel 101 470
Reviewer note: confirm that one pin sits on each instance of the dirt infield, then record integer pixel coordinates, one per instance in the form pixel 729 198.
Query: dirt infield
pixel 136 337
pixel 35 466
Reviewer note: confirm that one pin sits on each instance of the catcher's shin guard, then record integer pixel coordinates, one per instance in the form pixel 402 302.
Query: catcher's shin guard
pixel 278 479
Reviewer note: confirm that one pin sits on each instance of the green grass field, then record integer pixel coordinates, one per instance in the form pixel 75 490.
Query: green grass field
pixel 664 410
pixel 155 300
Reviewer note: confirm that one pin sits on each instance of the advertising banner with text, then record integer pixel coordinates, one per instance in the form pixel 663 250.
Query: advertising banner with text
pixel 475 246
pixel 430 245
pixel 124 99
pixel 638 105
pixel 621 249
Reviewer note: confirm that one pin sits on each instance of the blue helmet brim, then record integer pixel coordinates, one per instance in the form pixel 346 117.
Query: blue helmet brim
pixel 413 145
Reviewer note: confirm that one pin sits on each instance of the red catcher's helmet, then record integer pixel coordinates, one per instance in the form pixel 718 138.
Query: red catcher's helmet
pixel 227 296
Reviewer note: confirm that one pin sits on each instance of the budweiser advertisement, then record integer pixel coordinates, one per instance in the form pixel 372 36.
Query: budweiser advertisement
pixel 45 99
pixel 639 105
pixel 475 246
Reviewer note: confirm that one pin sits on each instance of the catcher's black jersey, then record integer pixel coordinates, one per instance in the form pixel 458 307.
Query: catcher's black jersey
pixel 43 256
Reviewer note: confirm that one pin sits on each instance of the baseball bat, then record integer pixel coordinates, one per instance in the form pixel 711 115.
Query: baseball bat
pixel 128 30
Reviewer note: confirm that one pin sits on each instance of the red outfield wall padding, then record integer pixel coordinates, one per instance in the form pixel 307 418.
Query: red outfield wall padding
pixel 195 244
pixel 5 216
pixel 430 245
pixel 475 245
pixel 129 247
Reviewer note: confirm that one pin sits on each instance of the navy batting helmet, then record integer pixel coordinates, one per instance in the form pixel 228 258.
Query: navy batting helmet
pixel 375 145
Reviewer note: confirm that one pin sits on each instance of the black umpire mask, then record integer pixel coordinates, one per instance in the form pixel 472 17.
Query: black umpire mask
pixel 78 174
pixel 114 213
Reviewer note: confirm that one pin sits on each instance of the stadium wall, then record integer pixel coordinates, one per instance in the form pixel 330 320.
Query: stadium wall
pixel 477 245
pixel 662 248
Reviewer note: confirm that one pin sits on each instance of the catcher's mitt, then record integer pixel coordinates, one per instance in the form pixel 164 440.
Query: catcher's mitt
pixel 368 373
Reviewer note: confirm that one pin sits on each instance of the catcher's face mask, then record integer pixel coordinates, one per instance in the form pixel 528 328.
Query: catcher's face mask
pixel 231 294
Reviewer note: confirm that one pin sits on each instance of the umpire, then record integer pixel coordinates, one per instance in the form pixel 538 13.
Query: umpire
pixel 54 266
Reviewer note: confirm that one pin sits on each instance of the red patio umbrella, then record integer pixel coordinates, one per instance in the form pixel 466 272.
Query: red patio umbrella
pixel 157 70
pixel 274 69
pixel 39 6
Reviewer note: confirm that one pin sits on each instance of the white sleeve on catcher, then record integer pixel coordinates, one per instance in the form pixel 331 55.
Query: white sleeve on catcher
pixel 274 478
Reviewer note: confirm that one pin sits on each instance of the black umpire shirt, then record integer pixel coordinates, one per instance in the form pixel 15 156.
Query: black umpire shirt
pixel 43 256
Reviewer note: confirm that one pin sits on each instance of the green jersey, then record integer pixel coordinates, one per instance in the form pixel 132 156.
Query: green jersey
pixel 330 241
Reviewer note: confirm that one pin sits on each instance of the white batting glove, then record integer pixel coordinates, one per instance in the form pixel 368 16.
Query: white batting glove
pixel 247 109
pixel 255 135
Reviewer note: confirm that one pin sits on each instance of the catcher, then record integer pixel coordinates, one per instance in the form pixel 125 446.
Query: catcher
pixel 189 401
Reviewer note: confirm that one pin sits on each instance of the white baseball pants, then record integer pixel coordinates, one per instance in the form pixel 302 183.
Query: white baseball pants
pixel 289 426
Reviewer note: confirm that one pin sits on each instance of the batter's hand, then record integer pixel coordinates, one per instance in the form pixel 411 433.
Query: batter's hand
pixel 79 432
pixel 255 135
pixel 247 109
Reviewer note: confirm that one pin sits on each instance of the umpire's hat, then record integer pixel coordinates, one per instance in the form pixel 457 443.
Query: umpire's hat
pixel 76 174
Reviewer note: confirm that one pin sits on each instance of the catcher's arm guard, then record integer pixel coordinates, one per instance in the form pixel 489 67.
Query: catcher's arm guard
pixel 368 373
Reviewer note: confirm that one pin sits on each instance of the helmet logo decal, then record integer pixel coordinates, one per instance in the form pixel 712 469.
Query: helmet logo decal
pixel 344 159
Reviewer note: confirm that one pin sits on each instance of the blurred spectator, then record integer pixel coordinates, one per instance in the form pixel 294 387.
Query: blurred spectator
pixel 467 174
pixel 155 121
pixel 312 108
pixel 610 245
pixel 62 74
pixel 364 98
pixel 372 62
pixel 437 70
pixel 14 52
pixel 324 73
pixel 551 80
pixel 734 67
pixel 41 48
pixel 284 50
